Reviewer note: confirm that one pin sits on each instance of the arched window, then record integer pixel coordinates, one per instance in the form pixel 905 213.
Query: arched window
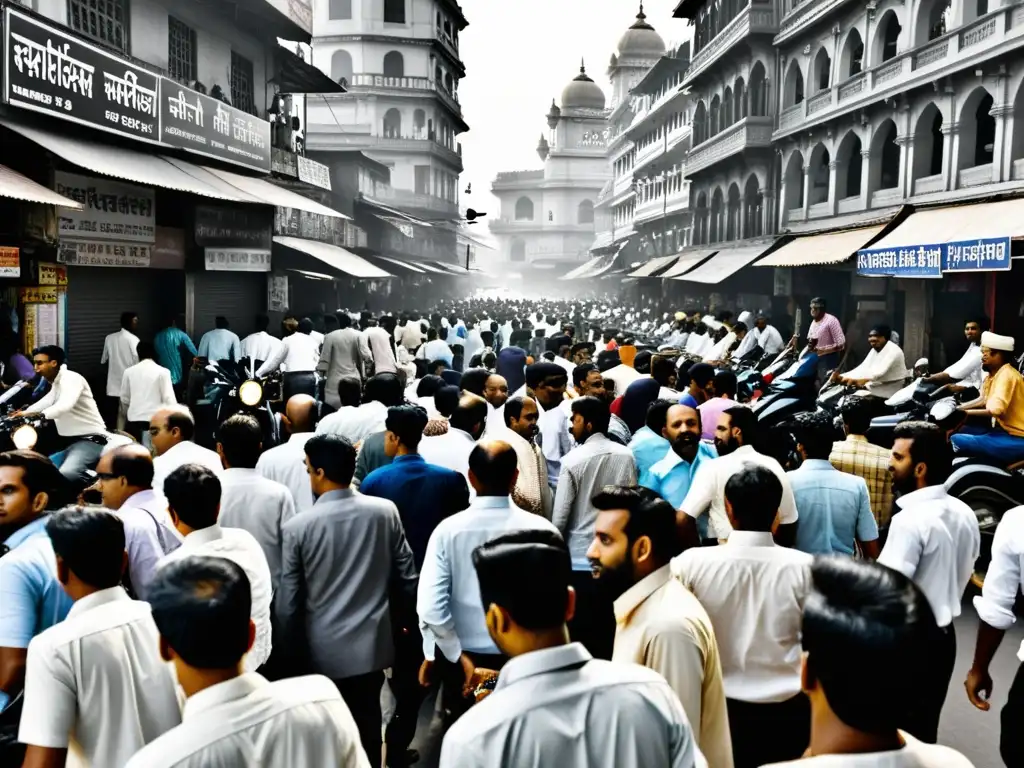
pixel 438 75
pixel 518 251
pixel 885 158
pixel 740 99
pixel 977 130
pixel 822 70
pixel 714 116
pixel 392 124
pixel 524 209
pixel 700 235
pixel 758 88
pixel 819 176
pixel 732 217
pixel 585 212
pixel 888 36
pixel 795 181
pixel 928 143
pixel 794 92
pixel 341 67
pixel 419 123
pixel 727 113
pixel 753 202
pixel 934 19
pixel 852 61
pixel 717 216
pixel 394 64
pixel 700 121
pixel 849 164
pixel 449 84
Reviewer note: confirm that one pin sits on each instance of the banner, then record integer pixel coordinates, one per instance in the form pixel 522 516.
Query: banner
pixel 277 293
pixel 990 254
pixel 229 227
pixel 111 210
pixel 52 274
pixel 910 261
pixel 237 260
pixel 312 172
pixel 93 254
pixel 10 262
pixel 38 294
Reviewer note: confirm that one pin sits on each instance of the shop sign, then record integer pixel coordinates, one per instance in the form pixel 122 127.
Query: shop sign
pixel 111 210
pixel 990 254
pixel 910 261
pixel 38 294
pixel 50 71
pixel 312 172
pixel 95 254
pixel 283 162
pixel 237 260
pixel 10 262
pixel 169 249
pixel 225 226
pixel 277 293
pixel 52 274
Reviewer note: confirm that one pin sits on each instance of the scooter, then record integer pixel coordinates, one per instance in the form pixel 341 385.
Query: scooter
pixel 231 388
pixel 791 388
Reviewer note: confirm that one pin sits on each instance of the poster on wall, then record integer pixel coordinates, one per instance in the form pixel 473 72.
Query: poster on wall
pixel 277 293
pixel 52 274
pixel 93 254
pixel 10 262
pixel 237 260
pixel 111 210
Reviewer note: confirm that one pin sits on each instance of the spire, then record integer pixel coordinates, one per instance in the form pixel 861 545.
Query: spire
pixel 583 67
pixel 583 76
pixel 641 20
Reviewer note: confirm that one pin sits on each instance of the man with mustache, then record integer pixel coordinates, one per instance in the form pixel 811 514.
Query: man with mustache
pixel 531 491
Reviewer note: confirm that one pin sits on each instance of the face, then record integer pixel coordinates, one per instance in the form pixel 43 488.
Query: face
pixel 727 439
pixel 991 359
pixel 316 479
pixel 610 556
pixel 902 467
pixel 973 333
pixel 496 391
pixel 582 356
pixel 391 444
pixel 579 428
pixel 133 326
pixel 817 311
pixel 45 367
pixel 593 385
pixel 876 341
pixel 113 489
pixel 526 425
pixel 761 323
pixel 163 439
pixel 551 391
pixel 17 507
pixel 682 430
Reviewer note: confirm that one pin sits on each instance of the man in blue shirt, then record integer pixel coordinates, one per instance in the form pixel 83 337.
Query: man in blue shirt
pixel 834 507
pixel 425 494
pixel 31 597
pixel 170 343
pixel 648 444
pixel 220 343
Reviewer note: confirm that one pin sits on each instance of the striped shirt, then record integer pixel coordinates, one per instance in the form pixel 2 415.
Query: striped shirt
pixel 856 456
pixel 828 333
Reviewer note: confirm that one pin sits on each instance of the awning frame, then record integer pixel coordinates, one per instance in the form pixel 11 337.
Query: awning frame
pixel 834 246
pixel 736 258
pixel 18 186
pixel 686 261
pixel 339 259
pixel 655 265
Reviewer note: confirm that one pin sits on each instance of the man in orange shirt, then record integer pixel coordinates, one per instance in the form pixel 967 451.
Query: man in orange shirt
pixel 1001 401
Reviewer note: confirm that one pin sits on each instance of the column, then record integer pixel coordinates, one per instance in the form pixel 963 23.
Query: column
pixel 950 154
pixel 866 177
pixel 805 203
pixel 1001 169
pixel 767 209
pixel 833 198
pixel 742 228
pixel 906 145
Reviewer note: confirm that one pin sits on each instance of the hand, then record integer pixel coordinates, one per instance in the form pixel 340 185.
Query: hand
pixel 16 414
pixel 480 676
pixel 468 668
pixel 426 673
pixel 835 377
pixel 979 682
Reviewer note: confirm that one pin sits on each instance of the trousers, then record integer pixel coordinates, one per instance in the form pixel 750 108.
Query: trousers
pixel 362 697
pixel 923 720
pixel 1011 741
pixel 995 444
pixel 765 733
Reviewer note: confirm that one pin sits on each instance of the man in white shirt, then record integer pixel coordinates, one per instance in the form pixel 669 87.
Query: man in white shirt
pixel 201 606
pixel 862 619
pixel 967 371
pixel 96 689
pixel 383 391
pixel 260 345
pixel 448 600
pixel 119 354
pixel 611 368
pixel 754 591
pixel 763 335
pixel 297 353
pixel 474 344
pixel 934 540
pixel 434 349
pixel 248 500
pixel 286 463
pixel 145 388
pixel 451 450
pixel 884 369
pixel 171 431
pixel 381 342
pixel 554 704
pixel 69 404
pixel 193 501
pixel 546 382
pixel 411 335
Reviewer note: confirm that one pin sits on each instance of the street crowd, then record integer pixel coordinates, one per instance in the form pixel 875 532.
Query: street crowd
pixel 534 514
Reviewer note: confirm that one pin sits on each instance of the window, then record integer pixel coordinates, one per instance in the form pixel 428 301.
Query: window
pixel 422 179
pixel 242 95
pixel 393 124
pixel 585 213
pixel 524 209
pixel 394 64
pixel 339 10
pixel 341 67
pixel 105 21
pixel 181 50
pixel 394 11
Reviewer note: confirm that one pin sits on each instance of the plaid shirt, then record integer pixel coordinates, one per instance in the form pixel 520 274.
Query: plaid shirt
pixel 829 334
pixel 857 456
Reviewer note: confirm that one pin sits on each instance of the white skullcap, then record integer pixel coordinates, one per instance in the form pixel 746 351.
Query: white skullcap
pixel 995 341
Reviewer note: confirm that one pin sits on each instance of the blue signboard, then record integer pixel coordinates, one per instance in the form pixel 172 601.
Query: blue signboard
pixel 988 254
pixel 905 261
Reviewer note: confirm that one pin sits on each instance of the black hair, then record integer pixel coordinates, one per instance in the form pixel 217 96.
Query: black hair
pixel 474 381
pixel 202 607
pixel 701 374
pixel 755 494
pixel 334 454
pixel 330 322
pixel 513 409
pixel 91 543
pixel 657 414
pixel 181 418
pixel 643 361
pixel 662 367
pixel 471 412
pixel 38 474
pixel 344 321
pixel 857 413
pixel 193 492
pixel 407 422
pixel 649 515
pixel 52 351
pixel 820 302
pixel 305 326
pixel 581 345
pixel 739 327
pixel 145 350
pixel 431 333
pixel 726 384
pixel 527 574
pixel 929 447
pixel 538 373
pixel 745 420
pixel 385 388
pixel 435 364
pixel 446 399
pixel 881 330
pixel 580 373
pixel 350 391
pixel 428 385
pixel 815 431
pixel 221 322
pixel 863 616
pixel 983 322
pixel 241 439
pixel 126 320
pixel 135 467
pixel 494 469
pixel 595 412
pixel 608 359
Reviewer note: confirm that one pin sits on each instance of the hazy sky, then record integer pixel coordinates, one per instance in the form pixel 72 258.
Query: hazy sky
pixel 519 54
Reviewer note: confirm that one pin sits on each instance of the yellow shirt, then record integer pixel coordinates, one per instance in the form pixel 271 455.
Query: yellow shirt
pixel 1004 399
pixel 661 625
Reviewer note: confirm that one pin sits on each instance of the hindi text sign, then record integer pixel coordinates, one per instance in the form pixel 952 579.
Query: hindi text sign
pixel 237 260
pixel 10 262
pixel 111 210
pixel 94 254
pixel 901 261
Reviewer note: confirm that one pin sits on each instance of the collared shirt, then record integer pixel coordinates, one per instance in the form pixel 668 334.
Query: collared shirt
pixel 410 335
pixel 648 449
pixel 532 491
pixel 835 511
pixel 934 540
pixel 435 350
pixel 672 476
pixel 148 536
pixel 707 490
pixel 70 406
pixel 586 469
pixel 297 353
pixel 1004 399
pixel 711 411
pixel 260 346
pixel 345 355
pixel 721 350
pixel 354 424
pixel 96 685
pixel 180 454
pixel 754 591
pixel 382 350
pixel 241 548
pixel 474 344
pixel 857 456
pixel 301 722
pixel 885 370
pixel 769 340
pixel 448 600
pixel 168 343
pixel 119 351
pixel 1005 574
pixel 561 707
pixel 260 506
pixel 554 438
pixel 425 494
pixel 286 464
pixel 660 624
pixel 623 376
pixel 913 754
pixel 344 561
pixel 450 450
pixel 967 371
pixel 828 333
pixel 146 388
pixel 220 344
pixel 372 455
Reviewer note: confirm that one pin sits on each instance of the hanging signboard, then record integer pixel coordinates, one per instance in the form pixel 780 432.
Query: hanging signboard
pixel 237 260
pixel 277 293
pixel 52 274
pixel 312 172
pixel 226 226
pixel 911 261
pixel 111 210
pixel 93 254
pixel 38 294
pixel 10 262
pixel 990 254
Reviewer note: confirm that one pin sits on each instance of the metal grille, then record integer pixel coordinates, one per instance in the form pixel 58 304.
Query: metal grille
pixel 103 20
pixel 181 50
pixel 242 84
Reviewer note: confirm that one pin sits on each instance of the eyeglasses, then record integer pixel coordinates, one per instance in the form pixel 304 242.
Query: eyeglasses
pixel 106 476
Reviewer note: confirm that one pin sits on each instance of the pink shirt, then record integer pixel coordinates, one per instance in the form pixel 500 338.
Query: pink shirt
pixel 710 411
pixel 828 333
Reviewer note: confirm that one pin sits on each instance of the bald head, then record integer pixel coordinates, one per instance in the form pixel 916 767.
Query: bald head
pixel 493 468
pixel 496 390
pixel 122 473
pixel 471 415
pixel 300 414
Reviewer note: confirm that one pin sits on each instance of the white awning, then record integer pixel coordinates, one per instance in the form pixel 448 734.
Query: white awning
pixel 653 266
pixel 602 268
pixel 830 248
pixel 582 269
pixel 723 264
pixel 686 262
pixel 18 187
pixel 332 255
pixel 933 226
pixel 452 269
pixel 431 268
pixel 271 194
pixel 406 264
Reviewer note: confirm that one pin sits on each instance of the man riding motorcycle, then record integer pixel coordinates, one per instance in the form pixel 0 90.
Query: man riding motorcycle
pixel 967 371
pixel 884 369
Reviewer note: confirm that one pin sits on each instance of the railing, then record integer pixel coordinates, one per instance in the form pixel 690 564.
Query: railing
pixel 819 101
pixel 403 197
pixel 749 132
pixel 819 210
pixel 973 177
pixel 795 214
pixel 791 115
pixel 373 80
pixel 804 14
pixel 754 18
pixel 928 184
pixel 514 176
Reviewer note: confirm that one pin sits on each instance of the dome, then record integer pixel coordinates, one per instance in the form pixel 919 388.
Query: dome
pixel 641 39
pixel 583 92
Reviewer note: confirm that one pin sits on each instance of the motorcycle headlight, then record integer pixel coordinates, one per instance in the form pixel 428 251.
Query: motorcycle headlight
pixel 25 437
pixel 251 393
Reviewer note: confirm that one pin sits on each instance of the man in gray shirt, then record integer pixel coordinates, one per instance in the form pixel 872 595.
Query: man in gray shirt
pixel 345 354
pixel 346 570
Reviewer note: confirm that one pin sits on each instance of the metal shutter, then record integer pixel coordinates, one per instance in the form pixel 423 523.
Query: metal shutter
pixel 239 296
pixel 96 298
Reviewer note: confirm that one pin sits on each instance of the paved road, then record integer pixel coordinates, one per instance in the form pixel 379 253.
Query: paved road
pixel 963 727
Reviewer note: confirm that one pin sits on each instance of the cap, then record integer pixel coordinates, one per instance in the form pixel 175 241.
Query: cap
pixel 995 341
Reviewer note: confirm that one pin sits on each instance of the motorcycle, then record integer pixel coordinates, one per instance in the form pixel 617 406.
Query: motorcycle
pixel 233 387
pixel 791 388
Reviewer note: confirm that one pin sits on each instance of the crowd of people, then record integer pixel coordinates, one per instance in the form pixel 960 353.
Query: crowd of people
pixel 585 551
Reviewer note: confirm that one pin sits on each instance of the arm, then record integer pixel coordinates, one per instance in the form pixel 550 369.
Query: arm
pixel 183 338
pixel 433 602
pixel 166 388
pixel 70 390
pixel 105 357
pixel 565 493
pixel 42 403
pixel 50 707
pixel 204 346
pixel 144 552
pixel 325 355
pixel 236 349
pixel 289 603
pixel 903 548
pixel 271 365
pixel 785 534
pixel 867 527
pixel 676 656
pixel 126 392
pixel 45 757
pixel 697 502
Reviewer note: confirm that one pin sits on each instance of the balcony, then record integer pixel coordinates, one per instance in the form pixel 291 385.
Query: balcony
pixel 976 176
pixel 806 13
pixel 517 180
pixel 510 226
pixel 403 198
pixel 657 206
pixel 987 37
pixel 371 81
pixel 748 133
pixel 756 18
pixel 659 148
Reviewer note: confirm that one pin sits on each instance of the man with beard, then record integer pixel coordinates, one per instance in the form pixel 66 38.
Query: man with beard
pixel 672 476
pixel 659 623
pixel 531 491
pixel 1001 401
pixel 587 380
pixel 496 394
pixel 735 438
pixel 934 540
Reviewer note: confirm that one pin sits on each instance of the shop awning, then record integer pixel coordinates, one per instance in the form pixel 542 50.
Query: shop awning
pixel 653 266
pixel 723 264
pixel 404 264
pixel 297 76
pixel 268 193
pixel 828 248
pixel 431 268
pixel 18 187
pixel 333 256
pixel 582 269
pixel 685 262
pixel 454 269
pixel 603 268
pixel 933 226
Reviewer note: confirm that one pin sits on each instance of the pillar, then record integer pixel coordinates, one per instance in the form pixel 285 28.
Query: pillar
pixel 950 154
pixel 741 230
pixel 906 145
pixel 1002 146
pixel 767 211
pixel 833 198
pixel 866 175
pixel 806 202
